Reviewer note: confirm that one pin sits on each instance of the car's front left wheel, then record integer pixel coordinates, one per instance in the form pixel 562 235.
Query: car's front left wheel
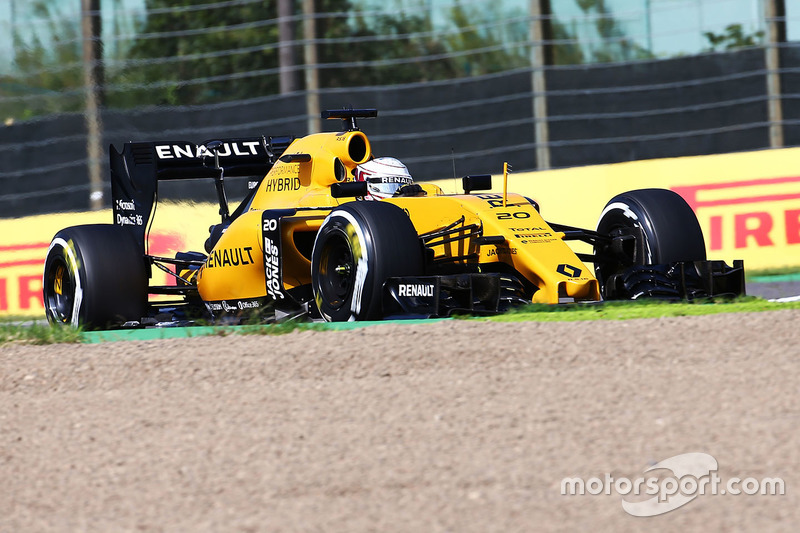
pixel 359 246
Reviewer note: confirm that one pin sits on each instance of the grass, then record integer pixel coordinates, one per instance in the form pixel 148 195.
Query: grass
pixel 627 310
pixel 36 333
pixel 771 274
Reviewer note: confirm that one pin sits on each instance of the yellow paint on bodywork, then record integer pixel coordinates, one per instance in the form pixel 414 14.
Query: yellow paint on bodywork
pixel 307 184
pixel 219 278
pixel 531 246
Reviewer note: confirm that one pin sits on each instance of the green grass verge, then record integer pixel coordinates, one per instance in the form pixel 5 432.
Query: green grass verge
pixel 22 318
pixel 640 309
pixel 36 333
pixel 788 273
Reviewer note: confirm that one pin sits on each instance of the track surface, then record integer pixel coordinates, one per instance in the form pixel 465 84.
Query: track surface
pixel 451 426
pixel 773 289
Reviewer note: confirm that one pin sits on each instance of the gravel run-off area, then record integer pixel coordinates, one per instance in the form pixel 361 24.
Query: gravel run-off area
pixel 449 426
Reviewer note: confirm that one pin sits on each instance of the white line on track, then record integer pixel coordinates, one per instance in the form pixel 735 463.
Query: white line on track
pixel 786 299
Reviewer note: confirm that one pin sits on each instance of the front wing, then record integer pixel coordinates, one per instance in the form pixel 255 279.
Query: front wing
pixel 441 296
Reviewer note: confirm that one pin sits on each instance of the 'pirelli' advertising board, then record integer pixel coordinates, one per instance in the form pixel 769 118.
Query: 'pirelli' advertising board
pixel 748 205
pixel 24 243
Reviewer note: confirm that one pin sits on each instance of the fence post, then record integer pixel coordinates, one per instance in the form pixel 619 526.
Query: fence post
pixel 286 46
pixel 775 17
pixel 91 31
pixel 541 133
pixel 311 72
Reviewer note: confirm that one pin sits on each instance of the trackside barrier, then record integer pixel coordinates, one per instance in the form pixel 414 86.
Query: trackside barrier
pixel 23 248
pixel 748 205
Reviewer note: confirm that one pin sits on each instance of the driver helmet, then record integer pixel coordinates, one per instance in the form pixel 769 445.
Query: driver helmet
pixel 384 177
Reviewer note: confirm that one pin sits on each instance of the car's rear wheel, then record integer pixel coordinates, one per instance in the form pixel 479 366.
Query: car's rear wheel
pixel 95 276
pixel 359 246
pixel 664 226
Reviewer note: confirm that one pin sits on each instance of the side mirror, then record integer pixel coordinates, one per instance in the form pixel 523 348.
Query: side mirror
pixel 214 147
pixel 480 182
pixel 349 189
pixel 295 158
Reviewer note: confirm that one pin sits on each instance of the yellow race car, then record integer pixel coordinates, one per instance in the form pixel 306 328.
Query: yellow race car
pixel 325 234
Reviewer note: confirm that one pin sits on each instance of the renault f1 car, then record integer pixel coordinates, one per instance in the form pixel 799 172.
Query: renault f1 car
pixel 303 243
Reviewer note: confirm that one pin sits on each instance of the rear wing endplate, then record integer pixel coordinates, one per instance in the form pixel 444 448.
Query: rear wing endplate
pixel 139 166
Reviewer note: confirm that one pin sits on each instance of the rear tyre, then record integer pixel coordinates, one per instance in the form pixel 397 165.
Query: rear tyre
pixel 95 276
pixel 665 227
pixel 359 246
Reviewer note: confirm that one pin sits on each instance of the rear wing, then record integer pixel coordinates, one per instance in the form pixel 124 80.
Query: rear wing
pixel 137 169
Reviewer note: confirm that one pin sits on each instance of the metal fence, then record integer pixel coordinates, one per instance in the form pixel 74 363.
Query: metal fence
pixel 468 122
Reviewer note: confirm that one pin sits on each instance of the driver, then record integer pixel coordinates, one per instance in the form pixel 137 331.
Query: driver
pixel 384 176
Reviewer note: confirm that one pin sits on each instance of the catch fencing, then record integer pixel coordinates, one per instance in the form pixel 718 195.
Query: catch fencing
pixel 595 113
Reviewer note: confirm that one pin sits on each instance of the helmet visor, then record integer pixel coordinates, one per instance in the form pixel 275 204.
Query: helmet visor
pixel 386 186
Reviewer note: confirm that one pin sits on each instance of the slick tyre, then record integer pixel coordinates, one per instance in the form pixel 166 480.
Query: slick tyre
pixel 95 277
pixel 666 223
pixel 359 246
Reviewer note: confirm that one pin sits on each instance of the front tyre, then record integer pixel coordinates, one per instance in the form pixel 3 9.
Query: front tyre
pixel 94 276
pixel 664 227
pixel 359 246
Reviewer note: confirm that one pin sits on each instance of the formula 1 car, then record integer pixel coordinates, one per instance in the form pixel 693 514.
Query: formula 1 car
pixel 303 242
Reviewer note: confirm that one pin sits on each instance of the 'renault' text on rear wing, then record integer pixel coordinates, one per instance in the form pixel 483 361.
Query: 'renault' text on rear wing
pixel 139 166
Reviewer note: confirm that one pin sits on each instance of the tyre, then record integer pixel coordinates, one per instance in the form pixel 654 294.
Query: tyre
pixel 95 276
pixel 358 246
pixel 665 228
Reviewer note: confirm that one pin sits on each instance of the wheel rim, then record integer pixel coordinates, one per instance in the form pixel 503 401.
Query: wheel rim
pixel 59 289
pixel 616 222
pixel 337 271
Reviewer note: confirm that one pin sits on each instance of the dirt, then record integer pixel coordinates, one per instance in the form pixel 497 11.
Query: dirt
pixel 450 426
